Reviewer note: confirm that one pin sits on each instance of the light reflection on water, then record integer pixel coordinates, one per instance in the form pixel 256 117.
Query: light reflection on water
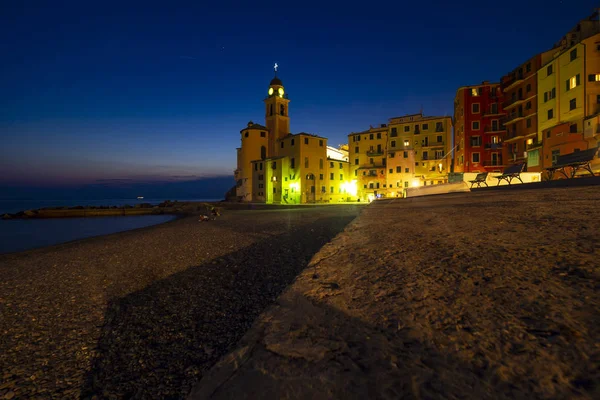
pixel 25 234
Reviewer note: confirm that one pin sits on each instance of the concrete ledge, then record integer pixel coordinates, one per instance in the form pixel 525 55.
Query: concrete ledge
pixel 558 183
pixel 437 189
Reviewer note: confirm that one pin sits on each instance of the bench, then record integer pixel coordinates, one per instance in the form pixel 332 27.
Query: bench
pixel 510 173
pixel 479 179
pixel 576 161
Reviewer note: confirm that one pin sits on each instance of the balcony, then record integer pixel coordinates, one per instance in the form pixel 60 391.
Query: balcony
pixel 493 146
pixel 489 113
pixel 432 144
pixel 513 101
pixel 533 145
pixel 493 163
pixel 513 81
pixel 514 117
pixel 494 129
pixel 374 153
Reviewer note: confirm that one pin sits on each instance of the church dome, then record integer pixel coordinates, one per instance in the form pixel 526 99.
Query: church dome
pixel 276 82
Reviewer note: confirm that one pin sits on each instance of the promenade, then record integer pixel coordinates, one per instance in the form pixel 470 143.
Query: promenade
pixel 141 314
pixel 483 295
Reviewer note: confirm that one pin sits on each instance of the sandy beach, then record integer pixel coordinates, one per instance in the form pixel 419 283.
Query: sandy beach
pixel 487 295
pixel 141 314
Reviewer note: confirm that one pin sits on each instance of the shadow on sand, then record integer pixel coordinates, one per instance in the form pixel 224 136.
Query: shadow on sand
pixel 157 342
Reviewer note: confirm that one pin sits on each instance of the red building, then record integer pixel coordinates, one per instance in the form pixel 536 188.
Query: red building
pixel 478 130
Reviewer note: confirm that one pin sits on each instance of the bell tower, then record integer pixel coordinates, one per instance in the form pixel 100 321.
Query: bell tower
pixel 276 113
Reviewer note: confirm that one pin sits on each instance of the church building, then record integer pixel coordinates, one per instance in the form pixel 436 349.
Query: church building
pixel 276 166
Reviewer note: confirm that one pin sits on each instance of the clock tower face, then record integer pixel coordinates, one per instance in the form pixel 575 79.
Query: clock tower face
pixel 270 91
pixel 280 92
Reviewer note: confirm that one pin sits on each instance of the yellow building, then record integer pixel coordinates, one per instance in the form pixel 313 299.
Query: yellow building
pixel 569 98
pixel 275 166
pixel 412 150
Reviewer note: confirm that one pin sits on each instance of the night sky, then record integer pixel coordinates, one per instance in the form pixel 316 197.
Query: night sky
pixel 158 91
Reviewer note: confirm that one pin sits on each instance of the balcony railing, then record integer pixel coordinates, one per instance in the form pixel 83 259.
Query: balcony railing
pixel 374 153
pixel 493 163
pixel 533 145
pixel 514 79
pixel 432 144
pixel 513 117
pixel 493 146
pixel 497 128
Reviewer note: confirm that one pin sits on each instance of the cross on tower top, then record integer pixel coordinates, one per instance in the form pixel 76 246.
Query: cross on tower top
pixel 275 67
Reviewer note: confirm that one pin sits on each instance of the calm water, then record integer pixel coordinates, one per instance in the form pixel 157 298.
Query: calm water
pixel 25 234
pixel 14 206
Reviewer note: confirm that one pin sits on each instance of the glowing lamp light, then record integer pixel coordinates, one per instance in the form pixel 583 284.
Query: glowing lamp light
pixel 440 166
pixel 274 179
pixel 350 188
pixel 406 142
pixel 415 183
pixel 295 186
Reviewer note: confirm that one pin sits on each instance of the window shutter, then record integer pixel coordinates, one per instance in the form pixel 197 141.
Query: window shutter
pixel 567 85
pixel 545 97
pixel 578 80
pixel 553 92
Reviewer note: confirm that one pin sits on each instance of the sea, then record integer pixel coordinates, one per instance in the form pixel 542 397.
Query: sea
pixel 25 234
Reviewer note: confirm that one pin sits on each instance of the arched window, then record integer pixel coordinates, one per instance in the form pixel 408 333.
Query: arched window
pixel 271 109
pixel 263 152
pixel 281 109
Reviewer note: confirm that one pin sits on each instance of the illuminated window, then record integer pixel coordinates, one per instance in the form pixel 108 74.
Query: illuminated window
pixel 594 77
pixel 573 82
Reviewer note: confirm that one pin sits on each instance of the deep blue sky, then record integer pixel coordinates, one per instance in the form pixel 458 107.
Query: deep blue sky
pixel 160 90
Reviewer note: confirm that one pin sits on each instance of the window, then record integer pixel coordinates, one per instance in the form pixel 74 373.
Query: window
pixel 255 167
pixel 305 140
pixel 439 127
pixel 573 128
pixel 378 135
pixel 573 82
pixel 341 166
pixel 598 98
pixel 292 163
pixel 474 92
pixel 274 165
pixel 594 77
pixel 281 145
pixel 407 170
pixel 528 68
pixel 246 134
pixel 341 177
pixel 550 113
pixel 475 108
pixel 331 176
pixel 425 127
pixel 321 164
pixel 407 128
pixel 263 134
pixel 405 184
pixel 528 87
pixel 425 155
pixel 494 108
pixel 529 122
pixel 356 149
pixel 320 143
pixel 573 54
pixel 330 164
pixel 323 189
pixel 528 105
pixel 292 142
pixel 572 104
pixel 392 155
pixel 391 170
pixel 331 189
pixel 439 139
pixel 371 136
pixel 393 143
pixel 555 154
pixel 261 177
pixel 548 134
pixel 394 132
pixel 398 169
pixel 371 160
pixel 356 161
pixel 321 176
pixel 549 70
pixel 475 125
pixel 475 157
pixel 405 155
pixel 476 141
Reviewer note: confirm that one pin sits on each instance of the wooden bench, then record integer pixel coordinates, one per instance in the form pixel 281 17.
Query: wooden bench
pixel 510 173
pixel 479 179
pixel 576 161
